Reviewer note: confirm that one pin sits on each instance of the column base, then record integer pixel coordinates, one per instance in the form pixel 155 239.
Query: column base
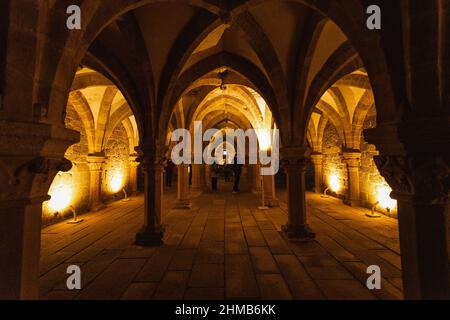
pixel 147 237
pixel 301 233
pixel 273 203
pixel 183 204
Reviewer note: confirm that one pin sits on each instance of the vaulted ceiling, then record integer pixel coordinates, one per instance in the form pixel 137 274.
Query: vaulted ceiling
pixel 166 54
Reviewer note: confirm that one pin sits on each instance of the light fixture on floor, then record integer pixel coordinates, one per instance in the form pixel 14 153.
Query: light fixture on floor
pixel 325 193
pixel 125 194
pixel 75 219
pixel 373 214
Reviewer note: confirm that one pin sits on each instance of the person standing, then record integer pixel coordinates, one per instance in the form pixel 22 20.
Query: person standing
pixel 214 176
pixel 237 167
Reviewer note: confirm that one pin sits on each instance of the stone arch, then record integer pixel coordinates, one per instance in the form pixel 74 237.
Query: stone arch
pixel 81 106
pixel 116 118
pixel 243 72
pixel 103 116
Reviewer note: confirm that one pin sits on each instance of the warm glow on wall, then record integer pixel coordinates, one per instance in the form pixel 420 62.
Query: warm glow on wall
pixel 384 199
pixel 61 194
pixel 334 182
pixel 116 182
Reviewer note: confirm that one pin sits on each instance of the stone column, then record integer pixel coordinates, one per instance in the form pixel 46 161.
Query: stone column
pixel 197 178
pixel 152 162
pixel 31 156
pixel 256 178
pixel 270 196
pixel 203 184
pixel 208 177
pixel 317 160
pixel 134 165
pixel 183 201
pixel 353 161
pixel 95 163
pixel 294 164
pixel 418 173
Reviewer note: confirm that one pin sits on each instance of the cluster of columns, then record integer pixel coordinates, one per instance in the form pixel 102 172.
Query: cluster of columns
pixel 352 159
pixel 96 163
pixel 28 171
pixel 183 200
pixel 263 183
pixel 294 162
pixel 152 161
pixel 417 170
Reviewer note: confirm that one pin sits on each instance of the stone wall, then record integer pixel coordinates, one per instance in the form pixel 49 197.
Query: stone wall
pixel 73 186
pixel 332 159
pixel 370 178
pixel 116 172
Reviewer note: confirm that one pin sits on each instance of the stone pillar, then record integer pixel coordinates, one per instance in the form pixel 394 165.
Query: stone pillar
pixel 31 156
pixel 418 173
pixel 269 191
pixel 152 163
pixel 353 161
pixel 208 177
pixel 134 165
pixel 197 178
pixel 203 184
pixel 183 201
pixel 317 160
pixel 294 164
pixel 95 163
pixel 256 178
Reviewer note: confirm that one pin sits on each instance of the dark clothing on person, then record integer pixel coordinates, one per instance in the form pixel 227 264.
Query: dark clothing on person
pixel 237 175
pixel 214 176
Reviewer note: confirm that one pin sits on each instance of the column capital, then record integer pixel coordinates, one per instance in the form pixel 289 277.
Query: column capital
pixel 133 158
pixel 316 158
pixel 152 154
pixel 96 161
pixel 352 158
pixel 294 158
pixel 20 139
pixel 31 155
pixel 423 179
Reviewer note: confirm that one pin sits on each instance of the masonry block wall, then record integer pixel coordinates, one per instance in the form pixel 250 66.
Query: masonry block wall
pixel 333 164
pixel 76 181
pixel 332 159
pixel 71 189
pixel 117 165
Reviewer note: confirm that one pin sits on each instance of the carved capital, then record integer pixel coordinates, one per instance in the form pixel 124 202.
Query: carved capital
pixel 152 157
pixel 294 158
pixel 424 178
pixel 352 159
pixel 134 160
pixel 317 159
pixel 29 178
pixel 96 161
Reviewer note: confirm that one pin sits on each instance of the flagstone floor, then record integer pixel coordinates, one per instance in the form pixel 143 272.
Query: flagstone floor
pixel 223 248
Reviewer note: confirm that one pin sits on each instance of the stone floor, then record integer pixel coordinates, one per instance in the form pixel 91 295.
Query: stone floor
pixel 223 248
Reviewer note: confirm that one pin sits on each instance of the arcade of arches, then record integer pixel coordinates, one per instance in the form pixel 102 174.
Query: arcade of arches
pixel 86 119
